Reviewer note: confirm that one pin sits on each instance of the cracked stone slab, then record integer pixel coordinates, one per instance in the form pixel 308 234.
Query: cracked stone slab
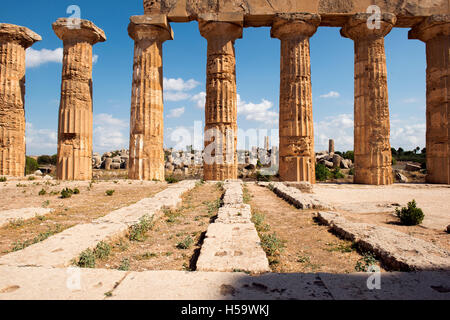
pixel 396 250
pixel 60 249
pixel 299 199
pixel 232 242
pixel 8 216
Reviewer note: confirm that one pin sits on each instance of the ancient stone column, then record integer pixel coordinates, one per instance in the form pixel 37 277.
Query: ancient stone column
pixel 146 160
pixel 373 157
pixel 435 32
pixel 297 157
pixel 13 42
pixel 220 161
pixel 331 146
pixel 75 112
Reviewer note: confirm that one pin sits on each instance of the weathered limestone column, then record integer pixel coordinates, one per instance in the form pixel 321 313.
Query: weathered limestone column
pixel 373 156
pixel 13 42
pixel 147 110
pixel 297 157
pixel 75 112
pixel 220 161
pixel 435 32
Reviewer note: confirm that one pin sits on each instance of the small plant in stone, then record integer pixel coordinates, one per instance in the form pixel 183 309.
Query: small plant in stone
pixel 366 262
pixel 109 193
pixel 171 180
pixel 186 243
pixel 410 215
pixel 42 192
pixel 124 265
pixel 86 259
pixel 3 179
pixel 102 250
pixel 137 232
pixel 76 191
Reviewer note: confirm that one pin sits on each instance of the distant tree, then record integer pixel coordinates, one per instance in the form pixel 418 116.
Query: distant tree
pixel 400 151
pixel 349 155
pixel 424 151
pixel 394 151
pixel 417 149
pixel 31 165
pixel 54 159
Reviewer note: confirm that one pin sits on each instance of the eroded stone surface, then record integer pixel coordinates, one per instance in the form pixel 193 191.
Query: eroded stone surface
pixel 297 157
pixel 396 250
pixel 262 12
pixel 14 40
pixel 60 249
pixel 373 156
pixel 75 112
pixel 232 242
pixel 296 197
pixel 435 32
pixel 220 161
pixel 8 216
pixel 147 110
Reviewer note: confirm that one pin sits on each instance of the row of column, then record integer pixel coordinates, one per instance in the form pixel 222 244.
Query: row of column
pixel 297 158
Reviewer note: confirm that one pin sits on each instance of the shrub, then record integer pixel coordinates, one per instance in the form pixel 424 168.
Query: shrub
pixel 86 259
pixel 102 250
pixel 3 179
pixel 351 172
pixel 186 243
pixel 76 191
pixel 272 245
pixel 365 263
pixel 171 179
pixel 322 172
pixel 124 265
pixel 66 193
pixel 262 177
pixel 337 174
pixel 109 193
pixel 42 192
pixel 31 165
pixel 410 215
pixel 137 232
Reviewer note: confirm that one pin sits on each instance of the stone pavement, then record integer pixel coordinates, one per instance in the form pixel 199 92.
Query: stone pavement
pixel 396 250
pixel 37 283
pixel 232 242
pixel 60 249
pixel 8 216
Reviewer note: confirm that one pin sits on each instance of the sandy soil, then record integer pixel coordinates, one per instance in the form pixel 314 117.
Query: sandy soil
pixel 90 204
pixel 377 205
pixel 159 250
pixel 309 247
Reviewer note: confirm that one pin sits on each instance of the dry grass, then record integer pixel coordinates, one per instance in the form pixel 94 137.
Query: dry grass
pixel 174 240
pixel 90 204
pixel 308 246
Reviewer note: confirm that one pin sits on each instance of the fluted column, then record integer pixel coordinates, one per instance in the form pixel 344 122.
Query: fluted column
pixel 373 156
pixel 220 161
pixel 75 112
pixel 13 42
pixel 435 32
pixel 147 110
pixel 297 157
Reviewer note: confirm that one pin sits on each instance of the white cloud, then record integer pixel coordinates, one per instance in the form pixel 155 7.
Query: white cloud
pixel 40 141
pixel 110 133
pixel 35 58
pixel 180 84
pixel 410 100
pixel 176 113
pixel 260 112
pixel 331 94
pixel 176 96
pixel 200 100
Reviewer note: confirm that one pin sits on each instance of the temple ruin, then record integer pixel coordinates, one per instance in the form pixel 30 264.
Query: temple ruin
pixel 221 22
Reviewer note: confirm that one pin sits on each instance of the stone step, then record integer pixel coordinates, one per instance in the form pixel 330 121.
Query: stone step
pixel 396 250
pixel 296 197
pixel 36 283
pixel 8 216
pixel 232 242
pixel 60 249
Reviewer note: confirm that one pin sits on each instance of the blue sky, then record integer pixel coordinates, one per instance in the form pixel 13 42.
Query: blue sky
pixel 258 68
